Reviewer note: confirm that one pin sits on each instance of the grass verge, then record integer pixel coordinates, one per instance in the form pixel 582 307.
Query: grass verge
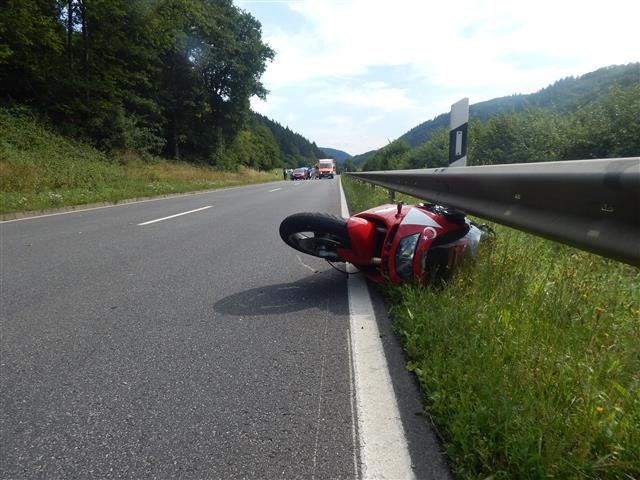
pixel 529 359
pixel 41 170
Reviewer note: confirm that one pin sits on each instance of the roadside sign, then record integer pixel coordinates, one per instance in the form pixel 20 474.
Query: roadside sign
pixel 458 124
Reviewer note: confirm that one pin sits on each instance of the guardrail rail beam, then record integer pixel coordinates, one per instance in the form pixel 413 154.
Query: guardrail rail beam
pixel 590 204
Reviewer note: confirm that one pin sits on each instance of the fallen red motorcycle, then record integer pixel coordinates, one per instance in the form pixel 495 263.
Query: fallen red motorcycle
pixel 389 243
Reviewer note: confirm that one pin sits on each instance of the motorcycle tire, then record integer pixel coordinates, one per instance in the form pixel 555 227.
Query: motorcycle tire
pixel 317 234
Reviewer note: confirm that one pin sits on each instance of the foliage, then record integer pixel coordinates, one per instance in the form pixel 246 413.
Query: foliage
pixel 295 150
pixel 40 169
pixel 363 157
pixel 533 135
pixel 339 155
pixel 529 361
pixel 390 157
pixel 593 116
pixel 347 166
pixel 563 97
pixel 431 154
pixel 607 127
pixel 254 148
pixel 529 358
pixel 397 155
pixel 568 94
pixel 157 76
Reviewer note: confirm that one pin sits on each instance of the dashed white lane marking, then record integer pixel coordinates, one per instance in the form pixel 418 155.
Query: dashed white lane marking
pixel 381 442
pixel 173 216
pixel 275 190
pixel 122 203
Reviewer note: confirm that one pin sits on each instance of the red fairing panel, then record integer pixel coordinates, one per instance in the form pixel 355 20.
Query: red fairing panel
pixel 361 233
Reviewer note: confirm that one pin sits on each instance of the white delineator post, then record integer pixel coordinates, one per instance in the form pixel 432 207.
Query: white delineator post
pixel 458 124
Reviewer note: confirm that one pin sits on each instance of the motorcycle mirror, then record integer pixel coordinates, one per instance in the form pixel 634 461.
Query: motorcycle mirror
pixel 399 208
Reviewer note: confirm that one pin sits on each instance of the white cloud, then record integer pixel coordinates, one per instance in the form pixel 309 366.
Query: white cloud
pixel 337 120
pixel 373 98
pixel 374 119
pixel 340 57
pixel 466 43
pixel 375 85
pixel 291 118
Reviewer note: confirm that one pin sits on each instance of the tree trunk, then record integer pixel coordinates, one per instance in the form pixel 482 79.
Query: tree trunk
pixel 85 42
pixel 85 37
pixel 69 28
pixel 176 139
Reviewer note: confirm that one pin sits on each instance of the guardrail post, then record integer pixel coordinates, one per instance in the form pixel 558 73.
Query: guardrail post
pixel 392 196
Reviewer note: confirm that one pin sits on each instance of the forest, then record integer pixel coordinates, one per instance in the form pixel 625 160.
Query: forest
pixel 565 95
pixel 171 78
pixel 174 78
pixel 596 126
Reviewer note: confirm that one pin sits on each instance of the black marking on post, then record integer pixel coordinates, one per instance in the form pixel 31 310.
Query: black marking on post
pixel 458 143
pixel 458 124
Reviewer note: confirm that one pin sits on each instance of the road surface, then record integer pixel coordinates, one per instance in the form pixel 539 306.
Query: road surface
pixel 181 337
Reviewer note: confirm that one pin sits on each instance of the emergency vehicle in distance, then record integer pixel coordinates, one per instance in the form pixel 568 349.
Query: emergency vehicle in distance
pixel 326 167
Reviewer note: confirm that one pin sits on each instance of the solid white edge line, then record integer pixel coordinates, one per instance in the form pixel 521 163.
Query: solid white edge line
pixel 382 444
pixel 354 423
pixel 173 216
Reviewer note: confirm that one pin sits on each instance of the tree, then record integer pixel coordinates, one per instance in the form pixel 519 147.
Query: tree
pixel 135 73
pixel 31 47
pixel 608 127
pixel 112 88
pixel 432 153
pixel 295 150
pixel 213 59
pixel 348 166
pixel 533 135
pixel 389 157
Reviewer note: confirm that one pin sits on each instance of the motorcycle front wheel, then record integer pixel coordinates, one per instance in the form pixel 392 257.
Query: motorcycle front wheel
pixel 317 234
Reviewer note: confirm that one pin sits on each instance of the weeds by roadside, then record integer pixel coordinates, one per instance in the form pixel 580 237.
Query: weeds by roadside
pixel 40 170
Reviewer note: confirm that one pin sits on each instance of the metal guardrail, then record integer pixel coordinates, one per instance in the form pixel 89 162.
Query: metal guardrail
pixel 591 204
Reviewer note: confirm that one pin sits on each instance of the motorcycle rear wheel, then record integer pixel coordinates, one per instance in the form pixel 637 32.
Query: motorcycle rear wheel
pixel 317 234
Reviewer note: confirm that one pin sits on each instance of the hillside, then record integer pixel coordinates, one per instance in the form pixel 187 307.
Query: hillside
pixel 116 76
pixel 295 150
pixel 563 96
pixel 42 169
pixel 603 124
pixel 339 155
pixel 363 157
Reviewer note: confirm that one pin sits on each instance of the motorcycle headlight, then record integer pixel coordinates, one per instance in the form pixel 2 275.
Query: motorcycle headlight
pixel 404 256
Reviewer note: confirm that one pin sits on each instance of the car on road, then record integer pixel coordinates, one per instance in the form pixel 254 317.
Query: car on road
pixel 300 174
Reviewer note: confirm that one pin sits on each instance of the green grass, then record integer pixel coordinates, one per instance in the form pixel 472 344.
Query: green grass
pixel 40 170
pixel 529 359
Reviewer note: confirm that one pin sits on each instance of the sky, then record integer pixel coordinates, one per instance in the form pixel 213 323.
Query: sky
pixel 357 74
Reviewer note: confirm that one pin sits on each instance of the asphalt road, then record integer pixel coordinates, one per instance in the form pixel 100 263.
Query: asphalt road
pixel 197 346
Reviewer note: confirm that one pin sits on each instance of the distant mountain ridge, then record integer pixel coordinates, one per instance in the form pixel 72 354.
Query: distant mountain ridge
pixel 295 150
pixel 339 155
pixel 363 157
pixel 565 95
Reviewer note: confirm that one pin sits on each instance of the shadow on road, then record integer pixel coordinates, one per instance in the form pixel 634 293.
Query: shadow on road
pixel 324 289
